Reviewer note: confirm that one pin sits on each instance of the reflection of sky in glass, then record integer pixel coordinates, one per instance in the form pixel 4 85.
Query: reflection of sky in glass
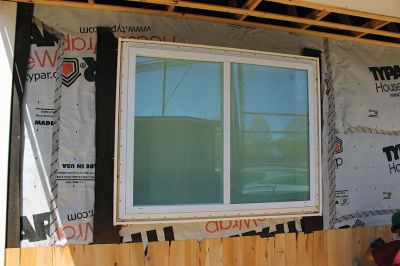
pixel 189 84
pixel 264 85
pixel 189 88
pixel 271 90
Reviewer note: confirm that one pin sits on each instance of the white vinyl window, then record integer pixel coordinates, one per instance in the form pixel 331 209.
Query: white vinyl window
pixel 214 133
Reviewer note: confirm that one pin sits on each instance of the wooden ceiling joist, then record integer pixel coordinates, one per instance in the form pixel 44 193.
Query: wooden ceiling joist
pixel 373 24
pixel 267 15
pixel 334 9
pixel 170 8
pixel 250 5
pixel 316 15
pixel 299 22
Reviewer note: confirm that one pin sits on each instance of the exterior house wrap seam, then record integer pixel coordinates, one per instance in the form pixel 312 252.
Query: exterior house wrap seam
pixel 331 136
pixel 369 130
pixel 55 142
pixel 365 214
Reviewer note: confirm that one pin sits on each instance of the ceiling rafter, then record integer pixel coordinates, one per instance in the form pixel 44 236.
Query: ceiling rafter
pixel 171 8
pixel 261 14
pixel 373 24
pixel 299 24
pixel 316 15
pixel 250 5
pixel 334 9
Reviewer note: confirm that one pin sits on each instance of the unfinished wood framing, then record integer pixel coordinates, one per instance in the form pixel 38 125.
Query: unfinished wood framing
pixel 267 15
pixel 250 5
pixel 334 9
pixel 314 23
pixel 316 15
pixel 373 24
pixel 328 248
pixel 170 8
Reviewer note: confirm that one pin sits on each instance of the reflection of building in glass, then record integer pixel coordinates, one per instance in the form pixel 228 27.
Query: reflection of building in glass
pixel 180 154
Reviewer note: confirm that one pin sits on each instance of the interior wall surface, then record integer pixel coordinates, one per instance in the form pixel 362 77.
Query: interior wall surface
pixel 347 81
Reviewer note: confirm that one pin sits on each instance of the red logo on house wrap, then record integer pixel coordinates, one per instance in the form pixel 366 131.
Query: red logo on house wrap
pixel 338 145
pixel 70 71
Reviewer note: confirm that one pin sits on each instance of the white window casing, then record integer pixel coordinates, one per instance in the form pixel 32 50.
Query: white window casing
pixel 125 212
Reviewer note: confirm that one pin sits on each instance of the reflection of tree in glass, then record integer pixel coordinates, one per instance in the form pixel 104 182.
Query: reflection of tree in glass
pixel 259 128
pixel 258 138
pixel 296 127
pixel 294 141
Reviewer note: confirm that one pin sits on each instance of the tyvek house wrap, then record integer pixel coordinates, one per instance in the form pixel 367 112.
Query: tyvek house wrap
pixel 77 148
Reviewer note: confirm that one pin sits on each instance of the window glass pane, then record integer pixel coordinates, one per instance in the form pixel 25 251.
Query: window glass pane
pixel 178 132
pixel 269 134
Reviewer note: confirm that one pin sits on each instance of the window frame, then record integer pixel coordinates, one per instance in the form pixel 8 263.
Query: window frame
pixel 124 210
